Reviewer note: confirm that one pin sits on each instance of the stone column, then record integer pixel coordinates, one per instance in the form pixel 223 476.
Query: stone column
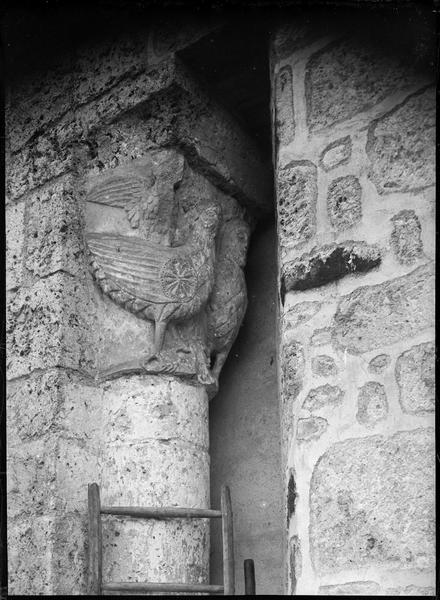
pixel 354 166
pixel 128 188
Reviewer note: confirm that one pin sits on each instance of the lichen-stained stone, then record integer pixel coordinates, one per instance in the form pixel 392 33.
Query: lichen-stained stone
pixel 379 363
pixel 406 239
pixel 372 503
pixel 297 196
pixel 14 219
pixel 301 313
pixel 372 404
pixel 285 118
pixel 400 163
pixel 48 326
pixel 348 77
pixel 335 154
pixel 415 376
pixel 54 230
pixel 33 546
pixel 344 202
pixel 311 428
pixel 351 588
pixel 324 365
pixel 324 395
pixel 376 315
pixel 321 337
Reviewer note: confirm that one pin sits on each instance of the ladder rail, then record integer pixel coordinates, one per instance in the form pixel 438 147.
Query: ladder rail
pixel 95 540
pixel 95 510
pixel 228 542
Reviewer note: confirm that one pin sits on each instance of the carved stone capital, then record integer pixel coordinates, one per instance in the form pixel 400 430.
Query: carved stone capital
pixel 166 251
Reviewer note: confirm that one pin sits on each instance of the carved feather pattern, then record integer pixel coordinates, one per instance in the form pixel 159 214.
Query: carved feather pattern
pixel 122 192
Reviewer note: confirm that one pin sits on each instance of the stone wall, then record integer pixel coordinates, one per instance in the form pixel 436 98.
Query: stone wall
pixel 143 437
pixel 354 170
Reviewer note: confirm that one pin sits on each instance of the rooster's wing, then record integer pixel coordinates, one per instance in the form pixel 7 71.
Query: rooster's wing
pixel 148 272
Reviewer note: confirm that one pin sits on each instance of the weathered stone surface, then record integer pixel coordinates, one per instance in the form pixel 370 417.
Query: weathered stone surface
pixel 415 376
pixel 406 239
pixel 301 313
pixel 292 36
pixel 324 365
pixel 337 153
pixel 382 314
pixel 297 196
pixel 155 435
pixel 344 202
pixel 324 395
pixel 372 503
pixel 55 402
pixel 311 428
pixel 292 373
pixel 14 218
pixel 54 230
pixel 50 475
pixel 400 163
pixel 47 327
pixel 48 556
pixel 379 363
pixel 348 77
pixel 321 337
pixel 372 404
pixel 410 590
pixel 351 588
pixel 328 263
pixel 295 561
pixel 292 368
pixel 285 118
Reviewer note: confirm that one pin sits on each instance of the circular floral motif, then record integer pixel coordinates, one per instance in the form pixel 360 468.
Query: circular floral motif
pixel 179 279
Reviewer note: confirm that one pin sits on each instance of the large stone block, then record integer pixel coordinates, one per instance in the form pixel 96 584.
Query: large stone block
pixel 406 238
pixel 372 503
pixel 382 314
pixel 285 117
pixel 348 77
pixel 400 163
pixel 14 244
pixel 48 326
pixel 54 230
pixel 415 375
pixel 297 195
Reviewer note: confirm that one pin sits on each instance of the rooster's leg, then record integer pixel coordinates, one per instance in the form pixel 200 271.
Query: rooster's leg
pixel 159 335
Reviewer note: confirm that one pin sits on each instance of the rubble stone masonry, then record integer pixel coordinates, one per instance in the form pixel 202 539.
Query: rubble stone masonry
pixel 354 175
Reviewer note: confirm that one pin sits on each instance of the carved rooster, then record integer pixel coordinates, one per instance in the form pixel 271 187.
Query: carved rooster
pixel 157 282
pixel 228 302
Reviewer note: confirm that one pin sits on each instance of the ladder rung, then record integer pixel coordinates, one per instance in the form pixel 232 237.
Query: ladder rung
pixel 161 512
pixel 131 586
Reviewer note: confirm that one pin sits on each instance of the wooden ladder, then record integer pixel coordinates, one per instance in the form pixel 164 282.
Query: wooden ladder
pixel 96 586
